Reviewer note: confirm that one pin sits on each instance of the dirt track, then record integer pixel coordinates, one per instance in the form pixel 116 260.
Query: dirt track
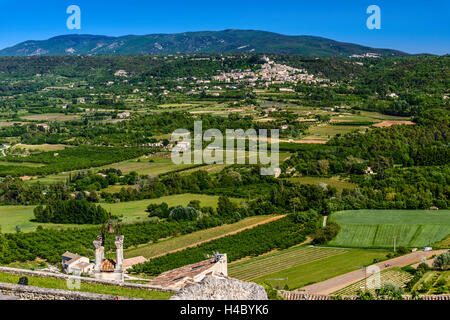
pixel 342 281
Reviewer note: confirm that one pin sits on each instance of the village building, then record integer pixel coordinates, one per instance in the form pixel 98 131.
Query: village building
pixel 76 264
pixel 121 73
pixel 123 115
pixel 182 146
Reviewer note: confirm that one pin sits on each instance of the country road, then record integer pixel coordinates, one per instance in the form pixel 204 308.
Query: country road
pixel 331 285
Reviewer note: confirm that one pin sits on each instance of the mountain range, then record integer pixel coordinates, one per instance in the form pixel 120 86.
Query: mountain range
pixel 226 41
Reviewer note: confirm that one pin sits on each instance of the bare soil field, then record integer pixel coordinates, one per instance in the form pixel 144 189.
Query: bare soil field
pixel 389 123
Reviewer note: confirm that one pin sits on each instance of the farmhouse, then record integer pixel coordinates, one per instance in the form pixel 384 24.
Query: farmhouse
pixel 178 278
pixel 181 146
pixel 74 263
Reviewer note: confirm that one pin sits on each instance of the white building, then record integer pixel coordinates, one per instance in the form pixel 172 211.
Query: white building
pixel 74 263
pixel 182 146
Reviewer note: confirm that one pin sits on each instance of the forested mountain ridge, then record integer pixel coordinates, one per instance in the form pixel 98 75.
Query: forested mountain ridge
pixel 225 41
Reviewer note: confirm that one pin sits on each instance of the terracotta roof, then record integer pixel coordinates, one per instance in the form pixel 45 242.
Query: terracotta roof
pixel 172 277
pixel 73 257
pixel 108 265
pixel 70 255
pixel 81 265
pixel 128 263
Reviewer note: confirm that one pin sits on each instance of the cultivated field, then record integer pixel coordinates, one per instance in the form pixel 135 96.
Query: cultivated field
pixel 434 282
pixel 333 181
pixel 253 268
pixel 377 228
pixel 143 165
pixel 371 283
pixel 173 244
pixel 322 269
pixel 348 278
pixel 51 117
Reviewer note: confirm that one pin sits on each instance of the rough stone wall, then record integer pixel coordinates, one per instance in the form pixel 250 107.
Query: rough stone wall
pixel 218 288
pixel 36 293
pixel 295 295
pixel 31 273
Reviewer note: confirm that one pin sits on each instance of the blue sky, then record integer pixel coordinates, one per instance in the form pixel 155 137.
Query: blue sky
pixel 411 26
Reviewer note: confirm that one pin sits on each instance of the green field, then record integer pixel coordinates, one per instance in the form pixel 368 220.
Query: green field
pixel 323 269
pixel 152 166
pixel 253 268
pixel 144 166
pixel 164 246
pixel 335 181
pixel 88 287
pixel 132 211
pixel 377 228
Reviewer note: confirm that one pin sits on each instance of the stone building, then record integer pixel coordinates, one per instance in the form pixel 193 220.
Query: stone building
pixel 76 264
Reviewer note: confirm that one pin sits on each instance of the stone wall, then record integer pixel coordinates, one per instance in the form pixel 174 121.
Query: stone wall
pixel 295 295
pixel 36 293
pixel 31 273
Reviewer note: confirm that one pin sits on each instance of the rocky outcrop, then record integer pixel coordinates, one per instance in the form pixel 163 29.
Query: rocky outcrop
pixel 218 288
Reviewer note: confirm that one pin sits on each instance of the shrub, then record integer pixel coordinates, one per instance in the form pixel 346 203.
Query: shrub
pixel 442 261
pixel 183 213
pixel 158 210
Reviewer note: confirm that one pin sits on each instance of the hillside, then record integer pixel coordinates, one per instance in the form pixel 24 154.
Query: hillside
pixel 193 42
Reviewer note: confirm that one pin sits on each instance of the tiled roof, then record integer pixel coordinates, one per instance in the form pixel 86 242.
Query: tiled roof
pixel 108 265
pixel 172 277
pixel 73 257
pixel 81 265
pixel 70 255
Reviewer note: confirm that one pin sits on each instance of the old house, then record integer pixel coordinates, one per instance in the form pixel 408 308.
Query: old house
pixel 74 263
